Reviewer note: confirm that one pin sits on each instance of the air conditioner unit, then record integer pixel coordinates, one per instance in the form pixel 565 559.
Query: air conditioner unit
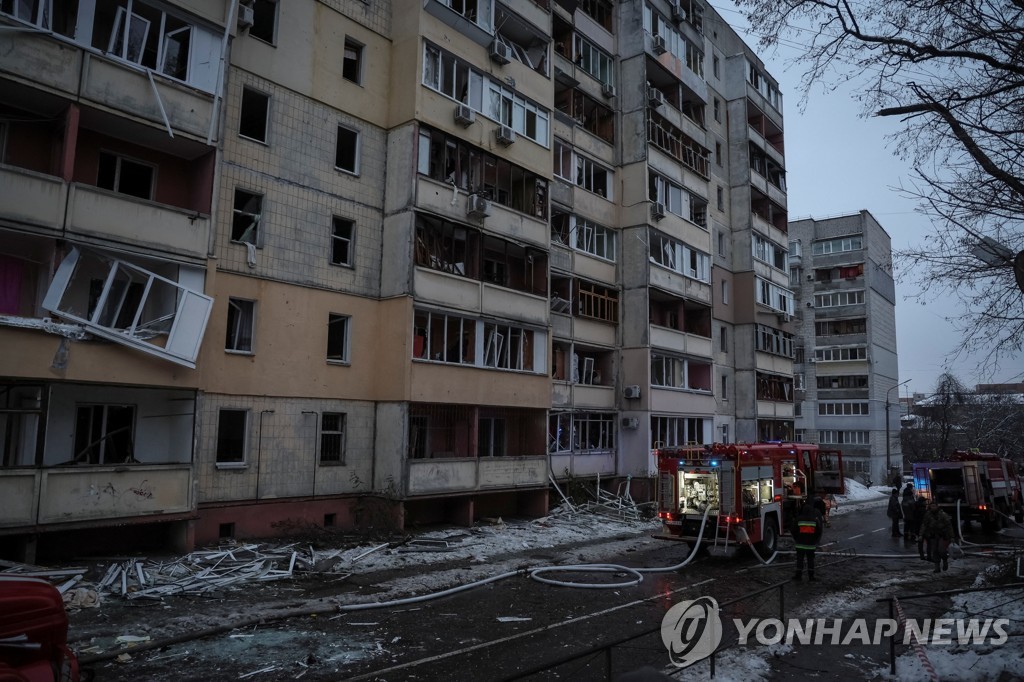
pixel 631 392
pixel 678 13
pixel 658 45
pixel 245 17
pixel 505 135
pixel 500 52
pixel 608 90
pixel 657 210
pixel 655 97
pixel 810 305
pixel 810 276
pixel 478 207
pixel 630 423
pixel 784 318
pixel 464 115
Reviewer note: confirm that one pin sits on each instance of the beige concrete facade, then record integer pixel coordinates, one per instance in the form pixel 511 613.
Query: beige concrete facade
pixel 408 261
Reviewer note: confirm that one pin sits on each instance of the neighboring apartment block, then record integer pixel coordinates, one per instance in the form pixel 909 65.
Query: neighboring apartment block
pixel 348 263
pixel 846 368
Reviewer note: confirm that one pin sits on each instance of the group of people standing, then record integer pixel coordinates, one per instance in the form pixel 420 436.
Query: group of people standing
pixel 924 522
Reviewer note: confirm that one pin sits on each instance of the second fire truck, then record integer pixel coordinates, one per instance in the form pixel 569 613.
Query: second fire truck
pixel 753 490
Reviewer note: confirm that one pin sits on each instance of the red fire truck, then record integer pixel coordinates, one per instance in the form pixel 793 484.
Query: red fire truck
pixel 987 487
pixel 752 489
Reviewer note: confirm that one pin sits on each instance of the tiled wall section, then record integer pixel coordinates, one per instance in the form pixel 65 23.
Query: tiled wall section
pixel 286 448
pixel 302 192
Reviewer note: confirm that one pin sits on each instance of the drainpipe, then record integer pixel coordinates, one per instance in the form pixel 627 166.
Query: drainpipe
pixel 214 120
pixel 259 453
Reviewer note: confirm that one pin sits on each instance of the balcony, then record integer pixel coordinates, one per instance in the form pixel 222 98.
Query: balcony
pixel 465 475
pixel 36 199
pixel 110 216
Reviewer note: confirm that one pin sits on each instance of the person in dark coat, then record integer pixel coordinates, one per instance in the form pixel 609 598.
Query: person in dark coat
pixel 937 530
pixel 895 512
pixel 907 507
pixel 920 507
pixel 806 529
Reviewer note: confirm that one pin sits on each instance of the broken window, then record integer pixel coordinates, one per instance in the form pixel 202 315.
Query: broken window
pixel 125 176
pixel 341 241
pixel 241 322
pixel 264 20
pixel 337 338
pixel 231 436
pixel 670 432
pixel 131 30
pixel 347 154
pixel 455 163
pixel 332 438
pixel 134 306
pixel 253 117
pixel 246 217
pixel 352 66
pixel 581 433
pixel 104 434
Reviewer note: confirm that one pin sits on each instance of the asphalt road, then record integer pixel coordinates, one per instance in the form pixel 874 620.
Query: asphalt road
pixel 519 628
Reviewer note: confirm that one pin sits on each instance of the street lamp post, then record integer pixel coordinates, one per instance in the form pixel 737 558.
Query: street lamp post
pixel 888 441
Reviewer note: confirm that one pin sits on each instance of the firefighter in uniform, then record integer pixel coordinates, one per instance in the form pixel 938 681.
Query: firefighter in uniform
pixel 806 530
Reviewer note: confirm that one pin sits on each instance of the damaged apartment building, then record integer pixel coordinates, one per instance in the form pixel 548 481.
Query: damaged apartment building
pixel 338 263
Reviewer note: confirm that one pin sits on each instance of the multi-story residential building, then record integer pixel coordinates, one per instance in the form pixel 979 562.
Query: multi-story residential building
pixel 846 368
pixel 355 263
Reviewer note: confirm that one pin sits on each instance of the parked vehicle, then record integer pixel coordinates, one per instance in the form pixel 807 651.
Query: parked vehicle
pixel 752 489
pixel 987 487
pixel 34 633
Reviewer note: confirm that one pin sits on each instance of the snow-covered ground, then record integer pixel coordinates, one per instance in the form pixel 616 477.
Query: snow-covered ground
pixel 966 662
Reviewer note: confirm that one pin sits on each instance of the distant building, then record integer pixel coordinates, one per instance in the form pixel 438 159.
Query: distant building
pixel 846 370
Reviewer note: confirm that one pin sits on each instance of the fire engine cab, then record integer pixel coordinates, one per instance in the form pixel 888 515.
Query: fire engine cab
pixel 753 490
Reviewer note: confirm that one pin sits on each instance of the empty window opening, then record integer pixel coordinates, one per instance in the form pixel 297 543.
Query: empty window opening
pixel 332 438
pixel 231 436
pixel 125 176
pixel 337 337
pixel 246 218
pixel 351 68
pixel 241 319
pixel 252 122
pixel 347 154
pixel 330 520
pixel 104 434
pixel 264 20
pixel 341 241
pixel 226 531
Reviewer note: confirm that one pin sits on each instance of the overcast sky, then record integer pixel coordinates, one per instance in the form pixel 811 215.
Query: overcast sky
pixel 837 163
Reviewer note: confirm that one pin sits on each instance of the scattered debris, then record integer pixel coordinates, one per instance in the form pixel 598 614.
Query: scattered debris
pixel 512 619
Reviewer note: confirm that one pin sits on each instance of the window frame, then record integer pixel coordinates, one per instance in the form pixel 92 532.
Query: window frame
pixel 120 159
pixel 337 239
pixel 244 315
pixel 342 358
pixel 338 433
pixel 259 6
pixel 221 458
pixel 100 445
pixel 356 143
pixel 266 115
pixel 256 223
pixel 359 48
